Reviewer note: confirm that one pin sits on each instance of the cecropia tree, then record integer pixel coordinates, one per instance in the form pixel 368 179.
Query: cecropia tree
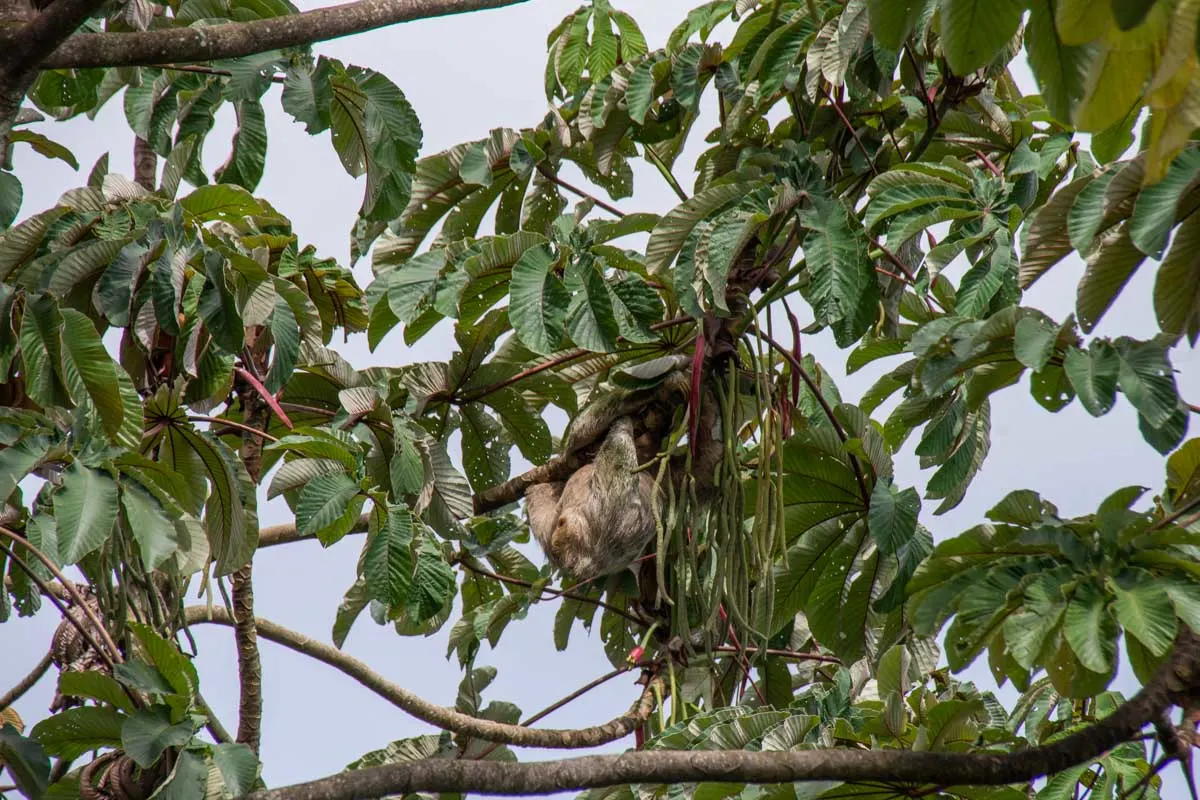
pixel 870 169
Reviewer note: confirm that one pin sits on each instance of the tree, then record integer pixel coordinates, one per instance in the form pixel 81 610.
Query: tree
pixel 166 351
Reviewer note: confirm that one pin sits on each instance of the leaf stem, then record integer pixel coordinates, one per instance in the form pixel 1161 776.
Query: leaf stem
pixel 549 175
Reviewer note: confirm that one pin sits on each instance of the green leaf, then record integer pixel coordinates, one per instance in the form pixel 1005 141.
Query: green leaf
pixel 591 322
pixel 88 361
pixel 188 781
pixel 173 665
pixel 1154 212
pixel 433 583
pixel 387 561
pixel 71 733
pixel 220 201
pixel 1090 629
pixel 1146 378
pixel 892 20
pixel 1060 69
pixel 239 767
pixel 844 291
pixel 42 353
pixel 355 600
pixel 11 195
pixel 672 230
pixel 247 158
pixel 975 31
pixel 538 300
pixel 152 529
pixel 1146 613
pixel 411 285
pixel 148 732
pixel 1130 13
pixel 1093 375
pixel 85 507
pixel 95 686
pixel 1177 284
pixel 1034 341
pixel 26 762
pixel 328 507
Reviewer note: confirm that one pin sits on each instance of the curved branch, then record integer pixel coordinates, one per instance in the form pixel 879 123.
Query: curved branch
pixel 1175 681
pixel 439 716
pixel 28 682
pixel 558 468
pixel 238 39
pixel 43 34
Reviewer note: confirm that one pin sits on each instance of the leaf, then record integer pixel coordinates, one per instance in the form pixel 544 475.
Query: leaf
pixel 247 158
pixel 411 285
pixel 148 522
pixel 238 766
pixel 387 561
pixel 86 359
pixel 538 301
pixel 328 507
pixel 1130 13
pixel 148 732
pixel 1093 375
pixel 1090 629
pixel 432 584
pixel 1109 268
pixel 85 507
pixel 220 201
pixel 1146 613
pixel 71 733
pixel 95 686
pixel 892 20
pixel 1060 69
pixel 844 291
pixel 672 230
pixel 1047 242
pixel 11 195
pixel 591 322
pixel 1034 341
pixel 1177 284
pixel 42 353
pixel 25 761
pixel 173 665
pixel 188 781
pixel 1154 212
pixel 975 31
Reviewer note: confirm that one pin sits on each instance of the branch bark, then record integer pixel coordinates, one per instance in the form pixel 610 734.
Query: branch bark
pixel 28 682
pixel 1176 682
pixel 439 716
pixel 238 39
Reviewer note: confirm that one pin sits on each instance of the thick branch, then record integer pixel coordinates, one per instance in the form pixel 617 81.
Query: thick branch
pixel 29 45
pixel 558 468
pixel 439 716
pixel 238 39
pixel 28 682
pixel 1174 681
pixel 250 702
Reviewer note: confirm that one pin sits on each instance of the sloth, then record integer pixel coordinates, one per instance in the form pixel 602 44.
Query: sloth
pixel 599 520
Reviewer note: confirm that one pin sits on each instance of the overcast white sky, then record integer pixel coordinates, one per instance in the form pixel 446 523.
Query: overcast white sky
pixel 465 75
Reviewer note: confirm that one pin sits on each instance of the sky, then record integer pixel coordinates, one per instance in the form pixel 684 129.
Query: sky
pixel 465 75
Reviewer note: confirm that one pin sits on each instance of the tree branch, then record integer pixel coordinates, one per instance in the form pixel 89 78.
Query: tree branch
pixel 439 716
pixel 28 682
pixel 238 39
pixel 29 45
pixel 1178 678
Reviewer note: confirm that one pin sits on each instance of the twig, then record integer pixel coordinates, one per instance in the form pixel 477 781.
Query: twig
pixel 550 176
pixel 62 608
pixel 850 127
pixel 663 170
pixel 235 425
pixel 555 706
pixel 567 593
pixel 76 597
pixel 772 651
pixel 825 407
pixel 439 716
pixel 202 70
pixel 219 732
pixel 25 684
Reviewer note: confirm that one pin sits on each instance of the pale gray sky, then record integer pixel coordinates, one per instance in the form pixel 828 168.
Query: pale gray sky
pixel 465 75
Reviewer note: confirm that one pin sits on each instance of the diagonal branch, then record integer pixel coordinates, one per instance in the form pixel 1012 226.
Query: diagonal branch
pixel 238 39
pixel 1175 682
pixel 28 682
pixel 31 44
pixel 439 716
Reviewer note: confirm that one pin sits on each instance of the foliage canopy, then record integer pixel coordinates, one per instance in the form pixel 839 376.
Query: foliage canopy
pixel 872 160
